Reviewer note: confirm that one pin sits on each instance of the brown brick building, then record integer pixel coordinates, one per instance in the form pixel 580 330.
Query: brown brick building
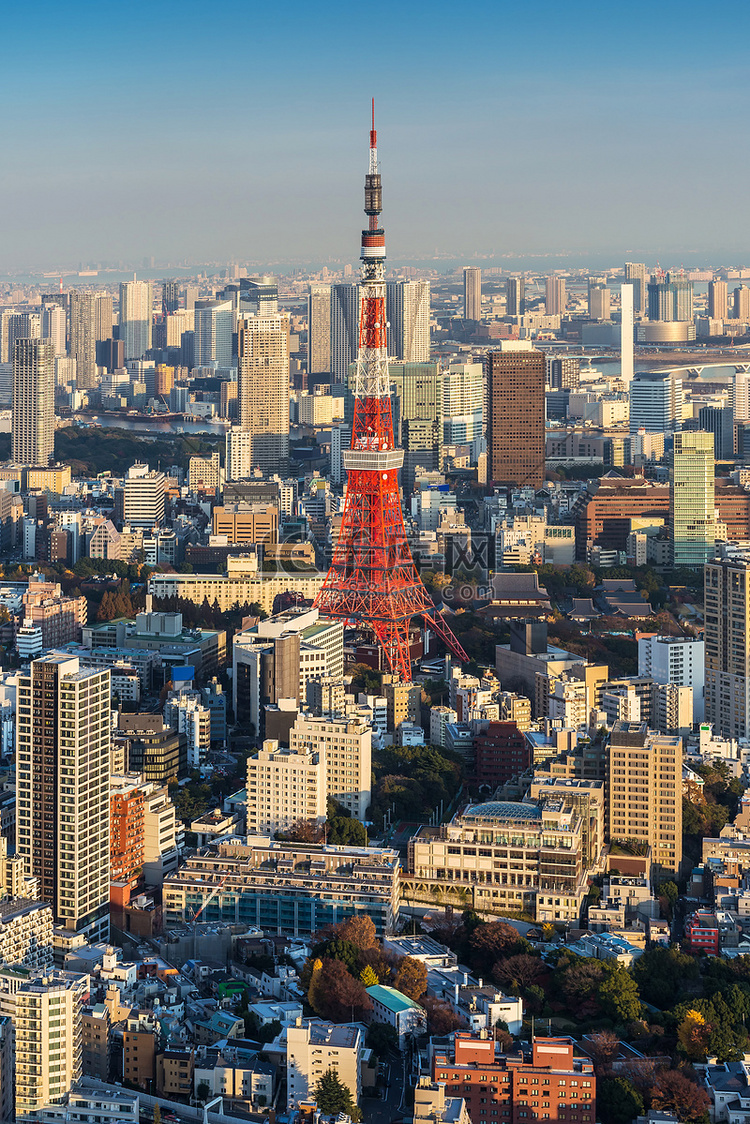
pixel 515 418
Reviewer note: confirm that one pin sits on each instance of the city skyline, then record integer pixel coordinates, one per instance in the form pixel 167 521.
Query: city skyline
pixel 539 147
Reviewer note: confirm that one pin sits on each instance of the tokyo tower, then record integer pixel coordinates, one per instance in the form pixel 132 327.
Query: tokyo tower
pixel 373 581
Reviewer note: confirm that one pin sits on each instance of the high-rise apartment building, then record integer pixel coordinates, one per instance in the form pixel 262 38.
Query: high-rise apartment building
pixel 741 303
pixel 21 326
pixel 655 402
pixel 719 422
pixel 48 1021
pixel 285 786
pixel 472 293
pixel 670 298
pixel 515 417
pixel 143 497
pixel 599 300
pixel 418 388
pixel 347 743
pixel 727 640
pixel 675 659
pixel 213 333
pixel 238 456
pixel 644 779
pixel 463 403
pixel 263 388
pixel 555 296
pixel 33 415
pixel 692 522
pixel 563 372
pixel 90 324
pixel 136 315
pixel 319 330
pixel 408 315
pixel 346 309
pixel 170 296
pixel 627 325
pixel 515 296
pixel 636 273
pixel 62 763
pixel 718 300
pixel 54 327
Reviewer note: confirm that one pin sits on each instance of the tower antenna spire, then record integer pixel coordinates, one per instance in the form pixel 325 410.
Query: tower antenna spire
pixel 373 582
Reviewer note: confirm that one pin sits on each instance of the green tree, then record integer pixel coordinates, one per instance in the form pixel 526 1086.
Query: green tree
pixel 618 1101
pixel 333 1096
pixel 618 995
pixel 381 1038
pixel 202 1092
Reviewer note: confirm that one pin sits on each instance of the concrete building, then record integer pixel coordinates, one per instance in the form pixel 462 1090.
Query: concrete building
pixel 727 645
pixel 136 316
pixel 408 316
pixel 33 413
pixel 90 325
pixel 247 523
pixel 26 935
pixel 655 402
pixel 313 1047
pixel 718 303
pixel 125 828
pixel 213 333
pixel 238 458
pixel 555 296
pixel 397 1010
pixel 645 787
pixel 692 521
pixel 184 711
pixel 463 403
pixel 48 1030
pixel 285 786
pixel 319 330
pixel 143 497
pixel 243 584
pixel 472 293
pixel 263 388
pixel 515 418
pixel 675 659
pixel 286 887
pixel 62 761
pixel 431 1106
pixel 345 745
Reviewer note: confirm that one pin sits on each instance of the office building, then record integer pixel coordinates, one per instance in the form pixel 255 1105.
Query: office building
pixel 627 318
pixel 170 296
pixel 599 300
pixel 347 747
pixel 655 402
pixel 718 301
pixel 346 309
pixel 54 327
pixel 213 333
pixel 563 372
pixel 644 772
pixel 243 584
pixel 692 521
pixel 675 659
pixel 719 421
pixel 418 406
pixel 463 403
pixel 515 296
pixel 33 413
pixel 546 1076
pixel 741 303
pixel 635 272
pixel 90 325
pixel 62 761
pixel 263 388
pixel 472 293
pixel 319 330
pixel 290 888
pixel 247 523
pixel 144 492
pixel 48 1013
pixel 670 298
pixel 515 418
pixel 285 786
pixel 555 297
pixel 136 302
pixel 727 640
pixel 313 1047
pixel 407 306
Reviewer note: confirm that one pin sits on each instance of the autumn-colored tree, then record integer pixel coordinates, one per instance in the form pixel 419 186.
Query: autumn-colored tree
pixel 580 983
pixel 303 831
pixel 411 977
pixel 313 988
pixel 489 942
pixel 519 971
pixel 441 1018
pixel 383 963
pixel 368 977
pixel 693 1034
pixel 338 995
pixel 359 931
pixel 603 1047
pixel 674 1092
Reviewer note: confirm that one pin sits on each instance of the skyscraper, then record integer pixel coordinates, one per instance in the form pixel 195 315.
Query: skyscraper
pixel 463 403
pixel 62 762
pixel 727 640
pixel 655 402
pixel 54 325
pixel 515 296
pixel 238 456
pixel 170 296
pixel 718 303
pixel 407 306
pixel 599 300
pixel 22 326
pixel 346 302
pixel 741 306
pixel 48 1014
pixel 136 314
pixel 555 296
pixel 670 298
pixel 719 420
pixel 419 389
pixel 213 333
pixel 692 522
pixel 636 272
pixel 472 293
pixel 627 316
pixel 319 330
pixel 90 324
pixel 515 417
pixel 263 388
pixel 33 418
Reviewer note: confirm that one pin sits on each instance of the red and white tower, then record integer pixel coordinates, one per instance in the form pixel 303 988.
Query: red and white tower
pixel 373 580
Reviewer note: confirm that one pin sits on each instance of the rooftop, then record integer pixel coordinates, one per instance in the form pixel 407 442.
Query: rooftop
pixel 392 999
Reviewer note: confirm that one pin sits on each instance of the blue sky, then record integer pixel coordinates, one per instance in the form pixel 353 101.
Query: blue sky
pixel 236 131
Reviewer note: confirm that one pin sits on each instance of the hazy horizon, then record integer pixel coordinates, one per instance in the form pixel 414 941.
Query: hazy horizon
pixel 179 132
